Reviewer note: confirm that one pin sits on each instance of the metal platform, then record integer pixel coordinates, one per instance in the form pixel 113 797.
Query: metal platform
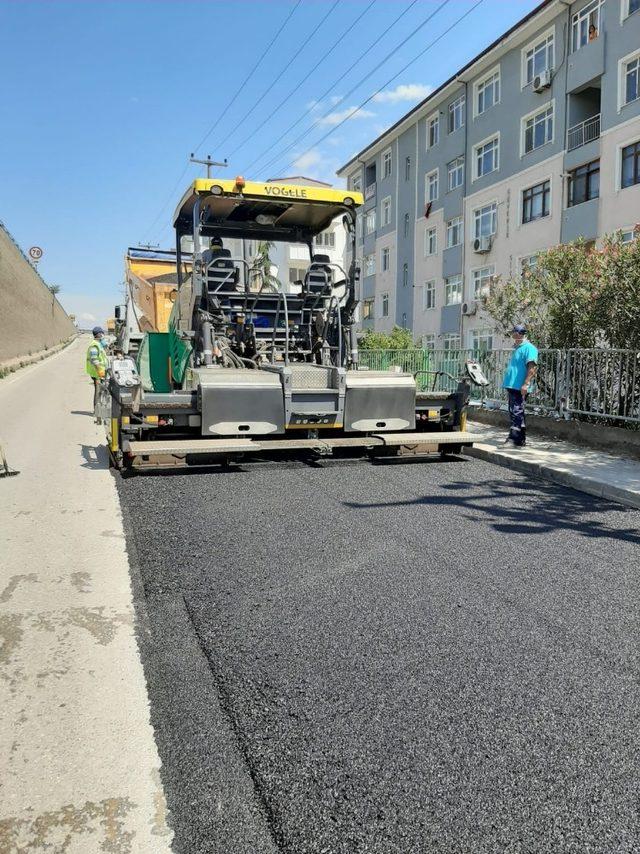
pixel 183 447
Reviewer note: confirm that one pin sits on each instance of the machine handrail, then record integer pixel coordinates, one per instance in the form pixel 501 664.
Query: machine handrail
pixel 281 299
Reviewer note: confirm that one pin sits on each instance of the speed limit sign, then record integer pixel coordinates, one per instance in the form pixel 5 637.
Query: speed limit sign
pixel 35 253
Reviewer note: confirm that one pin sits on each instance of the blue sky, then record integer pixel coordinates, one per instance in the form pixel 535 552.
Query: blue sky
pixel 104 101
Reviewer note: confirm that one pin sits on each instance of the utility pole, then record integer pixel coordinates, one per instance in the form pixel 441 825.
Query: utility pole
pixel 208 162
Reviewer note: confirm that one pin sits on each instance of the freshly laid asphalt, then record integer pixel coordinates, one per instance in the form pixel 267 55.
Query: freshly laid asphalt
pixel 392 659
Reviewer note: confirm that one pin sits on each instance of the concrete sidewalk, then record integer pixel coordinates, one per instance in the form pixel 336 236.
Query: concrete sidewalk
pixel 584 469
pixel 79 767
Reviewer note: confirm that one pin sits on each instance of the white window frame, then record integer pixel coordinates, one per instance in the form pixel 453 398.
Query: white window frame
pixel 455 225
pixel 427 178
pixel 631 230
pixel 434 117
pixel 427 239
pixel 461 99
pixel 384 303
pixel 429 288
pixel 448 339
pixel 541 41
pixel 385 206
pixel 489 76
pixel 370 304
pixel 523 262
pixel 543 108
pixel 494 137
pixel 370 221
pixel 475 219
pixel 370 262
pixel 521 193
pixel 476 280
pixel 429 341
pixel 585 12
pixel 622 75
pixel 385 259
pixel 386 158
pixel 450 282
pixel 458 168
pixel 624 10
pixel 619 149
pixel 481 332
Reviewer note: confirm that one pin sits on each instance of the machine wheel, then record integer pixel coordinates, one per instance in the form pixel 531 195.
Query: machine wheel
pixel 450 450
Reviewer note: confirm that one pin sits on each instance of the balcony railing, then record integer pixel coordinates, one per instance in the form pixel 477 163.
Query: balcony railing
pixel 370 191
pixel 583 133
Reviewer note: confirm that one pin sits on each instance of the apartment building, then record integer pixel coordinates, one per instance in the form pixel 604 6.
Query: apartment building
pixel 535 142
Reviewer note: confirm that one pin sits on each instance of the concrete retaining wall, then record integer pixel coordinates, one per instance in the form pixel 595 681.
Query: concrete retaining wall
pixel 31 318
pixel 616 440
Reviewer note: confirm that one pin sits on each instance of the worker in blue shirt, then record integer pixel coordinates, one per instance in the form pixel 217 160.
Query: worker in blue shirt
pixel 517 380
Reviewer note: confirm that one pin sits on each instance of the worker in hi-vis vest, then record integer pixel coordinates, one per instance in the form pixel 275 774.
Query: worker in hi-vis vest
pixel 97 361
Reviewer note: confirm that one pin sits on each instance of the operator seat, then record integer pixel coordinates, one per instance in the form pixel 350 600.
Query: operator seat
pixel 223 273
pixel 319 275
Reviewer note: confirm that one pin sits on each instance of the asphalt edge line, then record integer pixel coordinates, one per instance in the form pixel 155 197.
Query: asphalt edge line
pixel 573 481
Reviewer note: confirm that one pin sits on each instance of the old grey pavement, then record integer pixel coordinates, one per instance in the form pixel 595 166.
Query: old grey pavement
pixel 79 765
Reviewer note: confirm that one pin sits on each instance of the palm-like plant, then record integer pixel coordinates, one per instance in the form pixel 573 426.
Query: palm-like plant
pixel 262 266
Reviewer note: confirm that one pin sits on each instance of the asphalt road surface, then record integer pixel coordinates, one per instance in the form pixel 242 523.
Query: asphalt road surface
pixel 391 659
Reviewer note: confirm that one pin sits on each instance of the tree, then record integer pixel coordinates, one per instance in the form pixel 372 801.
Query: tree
pixel 575 296
pixel 397 339
pixel 262 267
pixel 55 289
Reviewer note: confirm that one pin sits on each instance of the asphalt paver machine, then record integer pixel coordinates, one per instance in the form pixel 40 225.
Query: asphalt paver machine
pixel 249 366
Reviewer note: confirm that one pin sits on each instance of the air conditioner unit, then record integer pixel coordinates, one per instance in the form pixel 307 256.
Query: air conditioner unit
pixel 542 81
pixel 469 308
pixel 481 245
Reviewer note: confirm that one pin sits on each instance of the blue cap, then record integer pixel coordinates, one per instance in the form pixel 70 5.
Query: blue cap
pixel 520 328
pixel 97 330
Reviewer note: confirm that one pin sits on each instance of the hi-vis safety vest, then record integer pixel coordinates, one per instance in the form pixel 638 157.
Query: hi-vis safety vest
pixel 92 369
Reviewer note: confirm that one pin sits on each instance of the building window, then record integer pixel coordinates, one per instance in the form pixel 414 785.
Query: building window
pixel 456 114
pixel 359 227
pixel 485 221
pixel 631 80
pixel 429 295
pixel 405 275
pixel 536 202
pixel 430 242
pixel 584 183
pixel 487 157
pixel 487 93
pixel 537 129
pixel 585 25
pixel 628 235
pixel 370 265
pixel 356 183
pixel 632 6
pixel 453 290
pixel 482 281
pixel 370 221
pixel 325 238
pixel 433 131
pixel 450 342
pixel 432 186
pixel 528 264
pixel 384 305
pixel 454 232
pixel 367 309
pixel 538 58
pixel 455 173
pixel 429 341
pixel 386 164
pixel 406 225
pixel 296 274
pixel 481 340
pixel 630 172
pixel 386 211
pixel 385 259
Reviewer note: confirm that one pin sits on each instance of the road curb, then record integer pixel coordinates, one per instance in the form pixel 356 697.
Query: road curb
pixel 563 478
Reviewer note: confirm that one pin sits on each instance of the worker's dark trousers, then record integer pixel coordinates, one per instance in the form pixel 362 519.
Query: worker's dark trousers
pixel 517 433
pixel 96 386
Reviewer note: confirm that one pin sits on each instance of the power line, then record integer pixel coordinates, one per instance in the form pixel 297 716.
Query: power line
pixel 296 88
pixel 327 92
pixel 284 70
pixel 168 199
pixel 390 80
pixel 246 79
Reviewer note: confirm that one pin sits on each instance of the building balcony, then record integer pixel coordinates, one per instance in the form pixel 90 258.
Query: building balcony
pixel 370 191
pixel 583 133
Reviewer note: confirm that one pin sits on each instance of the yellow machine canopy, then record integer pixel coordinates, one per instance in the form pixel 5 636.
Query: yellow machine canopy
pixel 262 210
